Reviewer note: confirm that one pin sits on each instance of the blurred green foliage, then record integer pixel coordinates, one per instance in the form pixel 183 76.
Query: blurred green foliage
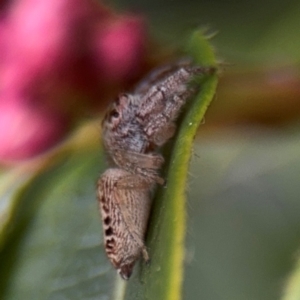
pixel 248 31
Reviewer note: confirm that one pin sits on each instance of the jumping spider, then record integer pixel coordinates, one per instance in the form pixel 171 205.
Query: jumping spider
pixel 134 128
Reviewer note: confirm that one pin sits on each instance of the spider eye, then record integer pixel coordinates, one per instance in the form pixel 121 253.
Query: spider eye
pixel 114 114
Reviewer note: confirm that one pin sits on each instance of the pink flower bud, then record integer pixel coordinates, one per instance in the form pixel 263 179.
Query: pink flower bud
pixel 119 46
pixel 26 132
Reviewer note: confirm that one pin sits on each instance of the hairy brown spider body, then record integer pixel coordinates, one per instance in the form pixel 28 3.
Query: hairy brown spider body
pixel 134 128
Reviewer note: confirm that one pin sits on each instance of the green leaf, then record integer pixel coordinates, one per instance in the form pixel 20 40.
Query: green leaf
pixel 53 249
pixel 166 237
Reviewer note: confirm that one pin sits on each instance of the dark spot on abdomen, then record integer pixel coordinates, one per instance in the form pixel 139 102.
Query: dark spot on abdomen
pixel 107 220
pixel 108 231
